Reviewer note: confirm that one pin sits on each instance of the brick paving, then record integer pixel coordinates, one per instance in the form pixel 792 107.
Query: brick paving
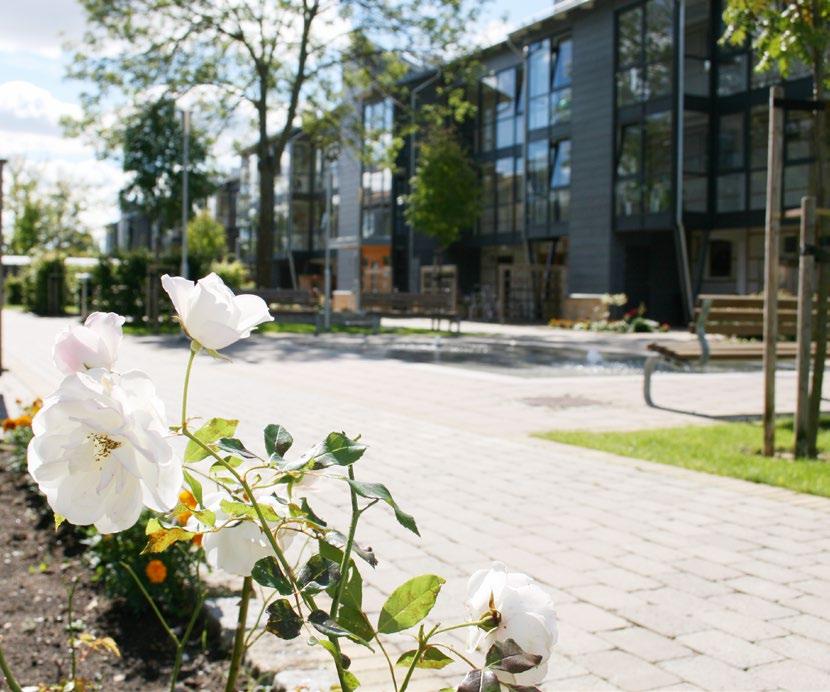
pixel 664 578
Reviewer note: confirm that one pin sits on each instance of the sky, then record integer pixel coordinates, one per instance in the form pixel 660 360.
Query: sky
pixel 34 94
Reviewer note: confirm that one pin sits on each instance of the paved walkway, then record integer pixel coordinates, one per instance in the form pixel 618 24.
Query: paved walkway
pixel 663 577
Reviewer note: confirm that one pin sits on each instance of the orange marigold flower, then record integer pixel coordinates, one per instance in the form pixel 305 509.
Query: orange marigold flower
pixel 197 540
pixel 9 424
pixel 183 517
pixel 156 571
pixel 187 499
pixel 24 421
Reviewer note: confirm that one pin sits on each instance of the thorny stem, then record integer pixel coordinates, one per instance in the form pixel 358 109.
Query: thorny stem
pixel 388 661
pixel 7 673
pixel 73 659
pixel 239 636
pixel 170 632
pixel 266 529
pixel 423 641
pixel 177 663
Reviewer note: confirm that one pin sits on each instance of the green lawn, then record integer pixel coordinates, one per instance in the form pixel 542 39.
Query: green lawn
pixel 725 449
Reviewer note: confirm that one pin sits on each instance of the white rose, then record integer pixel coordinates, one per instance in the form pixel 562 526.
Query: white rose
pixel 100 450
pixel 91 345
pixel 238 547
pixel 211 314
pixel 526 615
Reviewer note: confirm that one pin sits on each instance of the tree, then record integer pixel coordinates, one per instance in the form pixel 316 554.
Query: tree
pixel 206 238
pixel 153 153
pixel 276 58
pixel 46 216
pixel 445 192
pixel 786 34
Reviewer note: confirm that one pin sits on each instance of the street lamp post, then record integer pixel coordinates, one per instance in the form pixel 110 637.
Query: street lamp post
pixel 185 269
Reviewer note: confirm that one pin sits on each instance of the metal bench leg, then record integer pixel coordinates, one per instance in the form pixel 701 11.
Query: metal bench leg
pixel 648 370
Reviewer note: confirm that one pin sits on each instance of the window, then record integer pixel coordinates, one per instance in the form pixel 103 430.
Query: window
pixel 538 65
pixel 658 152
pixel 720 259
pixel 560 181
pixel 732 74
pixel 629 163
pixel 731 182
pixel 537 174
pixel 549 68
pixel 695 161
pixel 560 92
pixel 487 221
pixel 644 51
pixel 502 107
pixel 376 180
pixel 696 65
pixel 758 135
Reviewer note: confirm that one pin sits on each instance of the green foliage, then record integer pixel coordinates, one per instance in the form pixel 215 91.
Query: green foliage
pixel 785 34
pixel 46 215
pixel 45 289
pixel 209 433
pixel 234 273
pixel 153 151
pixel 119 283
pixel 206 238
pixel 409 603
pixel 14 287
pixel 173 594
pixel 446 194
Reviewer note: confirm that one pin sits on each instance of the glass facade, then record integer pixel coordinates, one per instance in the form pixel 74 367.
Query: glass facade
pixel 644 57
pixel 376 180
pixel 503 119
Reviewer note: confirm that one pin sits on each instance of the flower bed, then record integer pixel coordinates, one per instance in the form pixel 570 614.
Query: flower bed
pixel 101 453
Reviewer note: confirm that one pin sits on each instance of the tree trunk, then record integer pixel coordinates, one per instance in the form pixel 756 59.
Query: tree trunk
pixel 819 186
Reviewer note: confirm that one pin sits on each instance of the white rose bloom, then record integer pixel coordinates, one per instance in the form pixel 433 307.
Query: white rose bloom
pixel 91 345
pixel 237 548
pixel 211 314
pixel 100 450
pixel 527 616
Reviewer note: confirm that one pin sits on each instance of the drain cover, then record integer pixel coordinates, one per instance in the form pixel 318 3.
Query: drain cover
pixel 561 402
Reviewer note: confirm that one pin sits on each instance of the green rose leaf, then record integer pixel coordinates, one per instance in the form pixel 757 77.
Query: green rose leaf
pixel 338 450
pixel 332 649
pixel 211 431
pixel 378 491
pixel 310 514
pixel 240 509
pixel 355 620
pixel 282 620
pixel 194 485
pixel 409 603
pixel 277 440
pixel 351 681
pixel 339 540
pixel 233 446
pixel 511 658
pixel 267 572
pixel 431 658
pixel 480 681
pixel 321 621
pixel 318 574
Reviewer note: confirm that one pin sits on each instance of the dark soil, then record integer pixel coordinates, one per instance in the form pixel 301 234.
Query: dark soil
pixel 37 568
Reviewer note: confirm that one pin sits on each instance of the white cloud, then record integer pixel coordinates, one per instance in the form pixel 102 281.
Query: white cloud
pixel 27 108
pixel 39 26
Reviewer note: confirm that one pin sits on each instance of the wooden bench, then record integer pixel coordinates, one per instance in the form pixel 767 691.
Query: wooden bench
pixel 435 306
pixel 289 306
pixel 282 301
pixel 730 316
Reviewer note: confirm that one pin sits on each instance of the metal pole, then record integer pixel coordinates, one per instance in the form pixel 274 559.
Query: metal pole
pixel 327 270
pixel 806 268
pixel 773 231
pixel 185 269
pixel 2 270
